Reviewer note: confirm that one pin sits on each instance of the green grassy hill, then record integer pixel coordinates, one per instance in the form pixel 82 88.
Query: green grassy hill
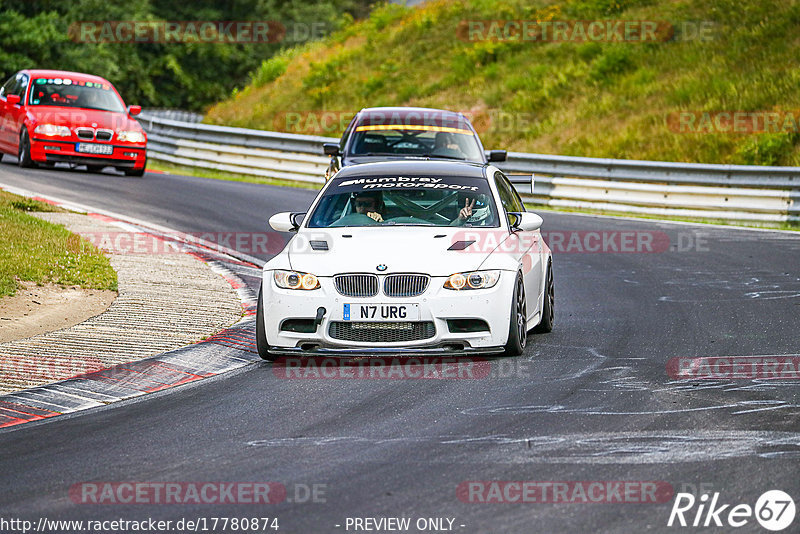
pixel 602 99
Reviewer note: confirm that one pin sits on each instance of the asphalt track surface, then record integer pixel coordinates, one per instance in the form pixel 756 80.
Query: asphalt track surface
pixel 591 401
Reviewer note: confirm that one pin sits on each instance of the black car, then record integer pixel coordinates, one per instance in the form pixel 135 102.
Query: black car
pixel 379 134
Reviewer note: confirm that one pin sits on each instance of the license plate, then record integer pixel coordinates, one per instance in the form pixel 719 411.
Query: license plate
pixel 91 148
pixel 380 312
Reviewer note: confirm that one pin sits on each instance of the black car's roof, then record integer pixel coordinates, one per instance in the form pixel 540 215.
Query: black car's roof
pixel 402 110
pixel 414 168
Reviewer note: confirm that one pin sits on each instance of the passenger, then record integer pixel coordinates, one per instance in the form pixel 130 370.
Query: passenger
pixel 475 212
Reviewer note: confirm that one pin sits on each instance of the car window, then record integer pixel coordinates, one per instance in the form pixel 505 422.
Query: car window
pixel 9 86
pixel 22 85
pixel 414 140
pixel 508 195
pixel 405 201
pixel 65 92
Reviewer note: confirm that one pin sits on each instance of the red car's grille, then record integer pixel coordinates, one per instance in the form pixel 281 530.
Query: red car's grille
pixel 84 133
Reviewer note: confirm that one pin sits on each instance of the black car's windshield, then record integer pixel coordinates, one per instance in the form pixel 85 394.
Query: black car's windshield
pixel 415 140
pixel 65 92
pixel 406 201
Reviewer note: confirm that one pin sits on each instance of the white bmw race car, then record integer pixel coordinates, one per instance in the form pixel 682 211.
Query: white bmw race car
pixel 407 257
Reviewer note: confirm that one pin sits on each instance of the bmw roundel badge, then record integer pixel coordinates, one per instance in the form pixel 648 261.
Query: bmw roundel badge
pixel 382 267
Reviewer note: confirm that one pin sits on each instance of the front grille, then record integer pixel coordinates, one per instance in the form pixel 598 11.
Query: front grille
pixel 356 285
pixel 397 332
pixel 104 135
pixel 405 285
pixel 85 133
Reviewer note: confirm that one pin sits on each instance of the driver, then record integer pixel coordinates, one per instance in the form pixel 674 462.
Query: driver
pixel 369 203
pixel 445 144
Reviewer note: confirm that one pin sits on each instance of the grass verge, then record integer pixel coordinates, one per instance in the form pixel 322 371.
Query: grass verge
pixel 34 250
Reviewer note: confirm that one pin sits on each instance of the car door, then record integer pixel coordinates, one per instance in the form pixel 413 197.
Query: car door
pixel 5 114
pixel 524 246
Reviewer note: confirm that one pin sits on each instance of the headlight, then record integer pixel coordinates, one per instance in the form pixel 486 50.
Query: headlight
pixel 473 280
pixel 295 280
pixel 130 137
pixel 52 130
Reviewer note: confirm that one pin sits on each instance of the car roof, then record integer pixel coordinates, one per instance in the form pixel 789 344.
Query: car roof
pixel 402 111
pixel 47 73
pixel 406 167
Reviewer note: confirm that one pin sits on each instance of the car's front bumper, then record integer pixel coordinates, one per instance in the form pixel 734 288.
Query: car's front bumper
pixel 436 305
pixel 47 150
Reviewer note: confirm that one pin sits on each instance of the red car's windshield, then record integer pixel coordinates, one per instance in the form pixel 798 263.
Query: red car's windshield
pixel 65 92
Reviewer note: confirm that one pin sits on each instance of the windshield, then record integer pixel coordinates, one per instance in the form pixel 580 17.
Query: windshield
pixel 415 140
pixel 65 92
pixel 406 201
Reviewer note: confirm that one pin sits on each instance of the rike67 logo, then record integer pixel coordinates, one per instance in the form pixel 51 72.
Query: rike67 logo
pixel 774 510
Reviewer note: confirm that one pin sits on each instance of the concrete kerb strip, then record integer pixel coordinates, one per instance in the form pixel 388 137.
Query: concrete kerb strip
pixel 153 364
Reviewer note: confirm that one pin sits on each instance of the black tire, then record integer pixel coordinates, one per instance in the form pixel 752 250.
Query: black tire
pixel 138 173
pixel 95 168
pixel 517 327
pixel 261 335
pixel 25 160
pixel 548 310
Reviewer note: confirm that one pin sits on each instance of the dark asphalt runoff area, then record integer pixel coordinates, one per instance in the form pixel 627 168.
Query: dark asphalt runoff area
pixel 597 401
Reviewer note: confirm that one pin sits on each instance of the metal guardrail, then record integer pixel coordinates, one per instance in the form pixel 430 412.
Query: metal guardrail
pixel 730 192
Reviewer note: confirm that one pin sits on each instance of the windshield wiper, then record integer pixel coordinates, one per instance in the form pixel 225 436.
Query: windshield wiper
pixel 439 156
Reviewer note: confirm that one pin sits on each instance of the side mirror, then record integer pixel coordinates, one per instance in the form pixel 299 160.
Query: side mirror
pixel 285 221
pixel 12 100
pixel 330 149
pixel 134 110
pixel 525 221
pixel 497 155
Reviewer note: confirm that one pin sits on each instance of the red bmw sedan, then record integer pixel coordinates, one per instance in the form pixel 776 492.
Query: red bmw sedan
pixel 51 116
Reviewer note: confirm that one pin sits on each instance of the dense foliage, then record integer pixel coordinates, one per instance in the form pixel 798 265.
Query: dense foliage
pixel 603 99
pixel 188 75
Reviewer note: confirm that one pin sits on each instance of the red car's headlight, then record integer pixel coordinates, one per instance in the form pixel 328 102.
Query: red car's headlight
pixel 52 130
pixel 130 136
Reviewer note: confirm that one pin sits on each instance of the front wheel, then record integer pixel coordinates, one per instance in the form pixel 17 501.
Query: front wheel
pixel 25 160
pixel 518 324
pixel 548 309
pixel 261 333
pixel 138 173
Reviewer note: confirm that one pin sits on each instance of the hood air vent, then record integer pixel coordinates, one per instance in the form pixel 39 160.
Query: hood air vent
pixel 460 245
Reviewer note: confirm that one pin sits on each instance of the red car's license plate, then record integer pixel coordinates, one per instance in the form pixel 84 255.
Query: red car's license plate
pixel 91 148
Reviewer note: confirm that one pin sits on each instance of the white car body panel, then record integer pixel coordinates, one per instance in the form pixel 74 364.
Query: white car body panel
pixel 406 249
